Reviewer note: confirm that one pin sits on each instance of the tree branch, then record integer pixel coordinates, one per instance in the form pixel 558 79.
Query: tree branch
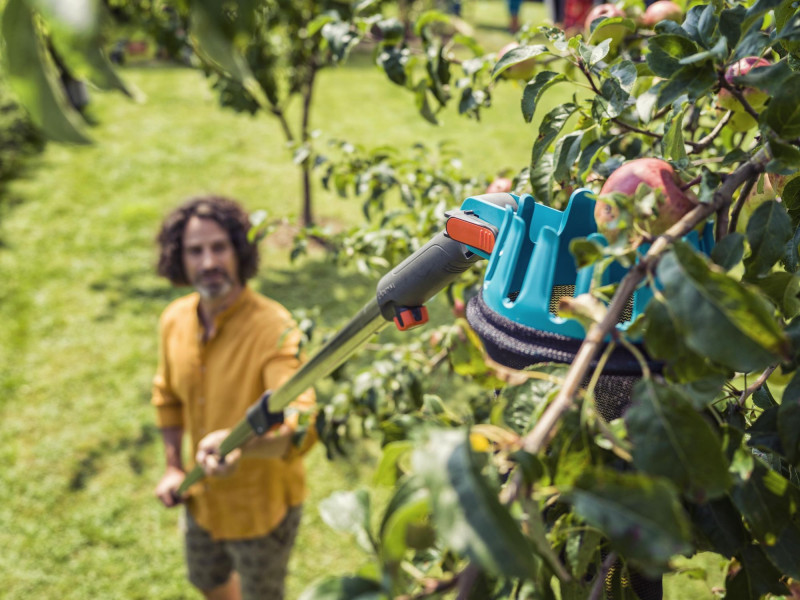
pixel 751 389
pixel 705 142
pixel 737 208
pixel 546 427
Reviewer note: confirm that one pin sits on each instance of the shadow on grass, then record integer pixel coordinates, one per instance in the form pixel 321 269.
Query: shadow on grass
pixel 136 292
pixel 87 466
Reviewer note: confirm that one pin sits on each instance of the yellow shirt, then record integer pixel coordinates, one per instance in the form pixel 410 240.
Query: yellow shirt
pixel 207 386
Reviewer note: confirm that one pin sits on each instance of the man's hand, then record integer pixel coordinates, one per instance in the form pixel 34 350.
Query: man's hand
pixel 209 457
pixel 167 488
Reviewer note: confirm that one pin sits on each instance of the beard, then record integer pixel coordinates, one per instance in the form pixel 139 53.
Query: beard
pixel 213 284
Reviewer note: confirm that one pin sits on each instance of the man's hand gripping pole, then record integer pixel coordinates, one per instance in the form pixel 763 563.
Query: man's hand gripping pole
pixel 401 297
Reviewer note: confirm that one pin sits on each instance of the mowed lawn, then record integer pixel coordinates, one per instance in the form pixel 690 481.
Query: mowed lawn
pixel 79 302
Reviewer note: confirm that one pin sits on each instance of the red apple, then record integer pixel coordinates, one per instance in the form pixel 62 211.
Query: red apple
pixel 459 308
pixel 656 174
pixel 522 70
pixel 742 120
pixel 615 32
pixel 663 10
pixel 499 184
pixel 604 11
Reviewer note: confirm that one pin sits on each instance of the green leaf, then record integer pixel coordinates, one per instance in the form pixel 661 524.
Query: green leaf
pixel 409 489
pixel 407 527
pixel 729 251
pixel 386 473
pixel 467 511
pixel 785 157
pixel 593 54
pixel 721 526
pixel 719 317
pixel 672 144
pixel 665 342
pixel 74 29
pixel 791 200
pixel 718 52
pixel 348 512
pixel 215 47
pixel 730 23
pixel 756 578
pixel 642 517
pixel 33 80
pixel 666 51
pixel 565 154
pixel 551 126
pixel 585 251
pixel 768 230
pixel 789 420
pixel 516 56
pixel 394 63
pixel 791 254
pixel 783 289
pixel 533 91
pixel 428 18
pixel 692 80
pixel 671 439
pixel 625 73
pixel 591 152
pixel 769 504
pixel 423 105
pixel 783 111
pixel 611 101
pixel 344 588
pixel 541 174
pixel 763 434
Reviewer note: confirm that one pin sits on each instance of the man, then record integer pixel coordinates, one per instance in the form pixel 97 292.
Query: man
pixel 220 348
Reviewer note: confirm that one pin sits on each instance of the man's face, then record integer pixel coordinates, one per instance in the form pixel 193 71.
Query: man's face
pixel 209 258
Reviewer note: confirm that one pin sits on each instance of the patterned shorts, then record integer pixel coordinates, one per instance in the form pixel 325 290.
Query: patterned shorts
pixel 260 562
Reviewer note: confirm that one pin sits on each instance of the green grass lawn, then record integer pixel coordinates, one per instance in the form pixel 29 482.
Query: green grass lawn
pixel 79 300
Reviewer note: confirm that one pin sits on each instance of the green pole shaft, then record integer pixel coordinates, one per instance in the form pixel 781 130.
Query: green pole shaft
pixel 336 351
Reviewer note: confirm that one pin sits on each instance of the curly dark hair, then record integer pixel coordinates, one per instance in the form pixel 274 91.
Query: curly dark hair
pixel 227 214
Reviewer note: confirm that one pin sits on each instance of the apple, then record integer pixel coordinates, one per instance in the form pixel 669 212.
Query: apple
pixel 499 185
pixel 601 11
pixel 459 308
pixel 654 173
pixel 522 70
pixel 615 32
pixel 663 10
pixel 741 119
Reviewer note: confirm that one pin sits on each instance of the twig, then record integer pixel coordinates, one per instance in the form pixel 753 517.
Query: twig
pixel 705 142
pixel 545 428
pixel 740 202
pixel 432 587
pixel 758 383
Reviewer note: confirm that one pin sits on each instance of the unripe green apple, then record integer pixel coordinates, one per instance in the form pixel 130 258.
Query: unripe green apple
pixel 523 70
pixel 663 10
pixel 741 119
pixel 656 174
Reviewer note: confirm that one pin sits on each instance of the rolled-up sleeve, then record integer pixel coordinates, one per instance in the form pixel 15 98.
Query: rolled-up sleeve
pixel 169 410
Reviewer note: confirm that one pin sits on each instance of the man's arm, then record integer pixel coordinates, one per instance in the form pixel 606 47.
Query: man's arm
pixel 166 490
